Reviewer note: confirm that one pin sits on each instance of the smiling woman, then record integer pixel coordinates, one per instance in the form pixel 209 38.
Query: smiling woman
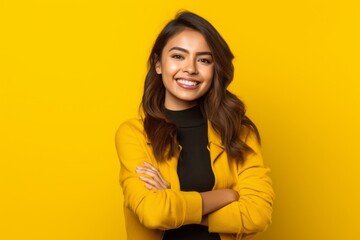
pixel 187 67
pixel 191 166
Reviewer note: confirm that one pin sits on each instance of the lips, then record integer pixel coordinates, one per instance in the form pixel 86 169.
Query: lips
pixel 187 82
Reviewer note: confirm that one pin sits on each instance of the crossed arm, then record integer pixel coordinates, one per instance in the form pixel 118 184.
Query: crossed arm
pixel 211 200
pixel 223 210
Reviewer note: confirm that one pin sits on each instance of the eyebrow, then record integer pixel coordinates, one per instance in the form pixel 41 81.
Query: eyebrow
pixel 187 51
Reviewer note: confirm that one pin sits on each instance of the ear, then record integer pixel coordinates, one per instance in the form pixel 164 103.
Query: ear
pixel 157 64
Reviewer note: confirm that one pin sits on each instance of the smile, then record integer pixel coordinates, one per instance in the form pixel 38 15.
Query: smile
pixel 189 83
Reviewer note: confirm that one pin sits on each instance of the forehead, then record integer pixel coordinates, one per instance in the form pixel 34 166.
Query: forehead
pixel 188 39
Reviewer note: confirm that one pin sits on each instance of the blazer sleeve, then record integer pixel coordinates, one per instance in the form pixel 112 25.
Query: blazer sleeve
pixel 156 209
pixel 252 212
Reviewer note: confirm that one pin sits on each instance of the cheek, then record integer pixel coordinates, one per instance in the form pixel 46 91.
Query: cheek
pixel 209 75
pixel 170 67
pixel 208 86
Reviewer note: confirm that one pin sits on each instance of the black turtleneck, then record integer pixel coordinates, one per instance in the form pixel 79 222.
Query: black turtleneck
pixel 194 166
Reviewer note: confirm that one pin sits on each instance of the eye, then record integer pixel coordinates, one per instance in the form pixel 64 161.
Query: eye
pixel 204 60
pixel 177 56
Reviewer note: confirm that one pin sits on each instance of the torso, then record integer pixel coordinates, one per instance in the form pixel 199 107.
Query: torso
pixel 194 167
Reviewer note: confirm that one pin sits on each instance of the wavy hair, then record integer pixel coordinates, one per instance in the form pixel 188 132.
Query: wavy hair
pixel 224 110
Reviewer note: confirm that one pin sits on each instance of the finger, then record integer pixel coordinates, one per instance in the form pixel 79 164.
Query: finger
pixel 154 173
pixel 157 172
pixel 151 182
pixel 150 172
pixel 150 169
pixel 146 171
pixel 150 166
pixel 155 180
pixel 150 187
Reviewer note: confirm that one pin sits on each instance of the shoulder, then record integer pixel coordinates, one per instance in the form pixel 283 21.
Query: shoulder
pixel 249 137
pixel 133 126
pixel 133 123
pixel 251 158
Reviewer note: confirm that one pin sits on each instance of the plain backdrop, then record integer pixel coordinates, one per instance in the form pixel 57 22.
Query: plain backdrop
pixel 72 70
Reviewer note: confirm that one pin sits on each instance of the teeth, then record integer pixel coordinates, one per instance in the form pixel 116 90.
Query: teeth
pixel 187 82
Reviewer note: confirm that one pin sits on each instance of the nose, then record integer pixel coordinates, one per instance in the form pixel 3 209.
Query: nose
pixel 190 67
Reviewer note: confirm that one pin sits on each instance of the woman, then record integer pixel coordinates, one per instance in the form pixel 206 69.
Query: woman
pixel 191 166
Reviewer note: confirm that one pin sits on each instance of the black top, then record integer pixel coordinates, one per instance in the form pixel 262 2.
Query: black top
pixel 194 167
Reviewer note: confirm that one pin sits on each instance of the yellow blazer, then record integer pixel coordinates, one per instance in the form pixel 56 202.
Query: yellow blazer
pixel 149 212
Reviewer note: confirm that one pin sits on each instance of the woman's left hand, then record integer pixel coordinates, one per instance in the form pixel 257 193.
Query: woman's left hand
pixel 153 179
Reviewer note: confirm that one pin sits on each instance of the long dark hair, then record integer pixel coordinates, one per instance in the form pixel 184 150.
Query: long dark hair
pixel 223 109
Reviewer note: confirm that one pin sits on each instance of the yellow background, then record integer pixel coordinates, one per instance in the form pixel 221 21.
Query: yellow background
pixel 72 71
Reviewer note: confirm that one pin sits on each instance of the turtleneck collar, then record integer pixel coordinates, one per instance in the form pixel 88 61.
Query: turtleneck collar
pixel 191 117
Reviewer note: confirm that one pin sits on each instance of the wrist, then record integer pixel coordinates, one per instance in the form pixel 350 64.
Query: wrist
pixel 234 195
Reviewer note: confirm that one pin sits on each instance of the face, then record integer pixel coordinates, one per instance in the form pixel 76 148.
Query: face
pixel 187 69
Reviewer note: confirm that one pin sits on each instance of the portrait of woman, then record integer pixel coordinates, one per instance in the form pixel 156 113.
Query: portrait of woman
pixel 168 120
pixel 191 165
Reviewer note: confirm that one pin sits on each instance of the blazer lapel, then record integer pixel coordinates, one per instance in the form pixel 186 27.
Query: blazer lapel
pixel 215 147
